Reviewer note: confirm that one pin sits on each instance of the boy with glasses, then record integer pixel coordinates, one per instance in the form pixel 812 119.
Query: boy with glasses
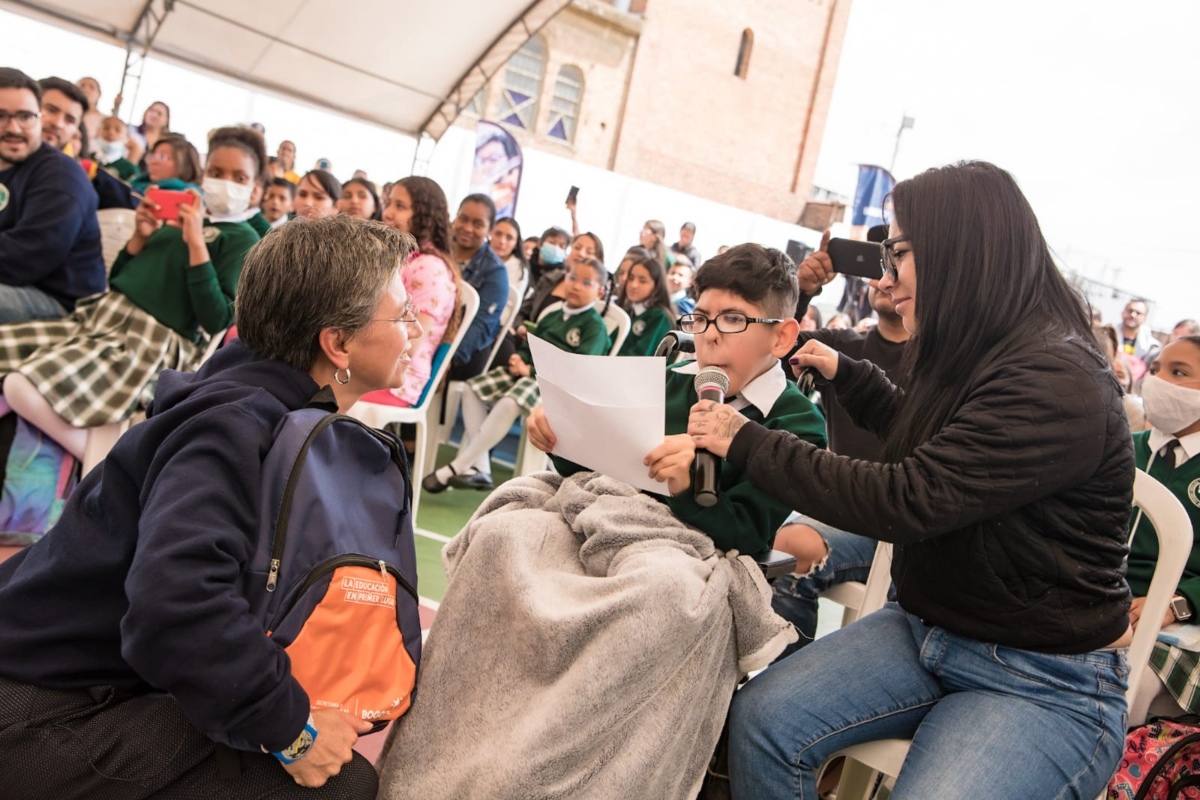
pixel 49 236
pixel 742 324
pixel 512 390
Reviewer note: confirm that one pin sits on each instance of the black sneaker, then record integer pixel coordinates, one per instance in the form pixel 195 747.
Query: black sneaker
pixel 474 479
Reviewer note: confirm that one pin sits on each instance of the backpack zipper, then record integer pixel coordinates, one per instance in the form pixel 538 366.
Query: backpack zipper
pixel 347 560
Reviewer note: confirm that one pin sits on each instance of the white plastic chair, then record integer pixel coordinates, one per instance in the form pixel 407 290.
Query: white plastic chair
pixel 1174 529
pixel 116 227
pixel 454 389
pixel 423 415
pixel 529 458
pixel 101 438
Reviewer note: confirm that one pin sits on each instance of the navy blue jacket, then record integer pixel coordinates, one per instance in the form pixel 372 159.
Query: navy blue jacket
pixel 138 585
pixel 487 273
pixel 49 236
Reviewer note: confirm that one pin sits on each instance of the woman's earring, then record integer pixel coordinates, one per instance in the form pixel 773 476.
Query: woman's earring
pixel 337 377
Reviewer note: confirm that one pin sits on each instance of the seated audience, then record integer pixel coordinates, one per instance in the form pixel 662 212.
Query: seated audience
pixel 286 156
pixel 170 281
pixel 631 255
pixel 63 107
pixel 317 195
pixel 679 281
pixel 654 238
pixel 529 247
pixel 486 273
pixel 1005 485
pixel 359 200
pixel 505 238
pixel 741 324
pixel 643 296
pixel 50 253
pixel 417 206
pixel 1168 452
pixel 172 163
pixel 278 201
pixel 92 117
pixel 512 391
pixel 550 254
pixel 1136 338
pixel 134 616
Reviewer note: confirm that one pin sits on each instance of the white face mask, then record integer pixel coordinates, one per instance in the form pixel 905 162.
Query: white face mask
pixel 1170 407
pixel 111 151
pixel 223 197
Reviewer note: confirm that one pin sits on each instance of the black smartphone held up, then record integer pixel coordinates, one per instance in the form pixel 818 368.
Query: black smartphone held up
pixel 571 195
pixel 862 259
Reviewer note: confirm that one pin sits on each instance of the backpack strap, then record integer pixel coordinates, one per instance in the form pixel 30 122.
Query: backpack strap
pixel 1155 772
pixel 1178 787
pixel 324 399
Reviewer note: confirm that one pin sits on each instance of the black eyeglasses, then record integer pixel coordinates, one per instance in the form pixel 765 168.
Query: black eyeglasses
pixel 24 118
pixel 726 323
pixel 887 257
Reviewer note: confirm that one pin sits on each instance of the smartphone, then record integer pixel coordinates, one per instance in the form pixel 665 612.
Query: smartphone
pixel 168 202
pixel 571 195
pixel 862 259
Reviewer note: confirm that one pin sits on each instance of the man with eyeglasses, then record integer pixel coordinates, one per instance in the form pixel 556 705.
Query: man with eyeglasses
pixel 49 236
pixel 1136 339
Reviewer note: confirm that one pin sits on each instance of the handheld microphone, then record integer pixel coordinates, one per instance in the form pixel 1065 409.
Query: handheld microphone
pixel 711 384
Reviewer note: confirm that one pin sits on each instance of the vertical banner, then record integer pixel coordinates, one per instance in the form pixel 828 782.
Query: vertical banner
pixel 497 168
pixel 874 186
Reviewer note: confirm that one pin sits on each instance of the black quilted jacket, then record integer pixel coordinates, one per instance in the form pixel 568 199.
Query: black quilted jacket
pixel 1009 524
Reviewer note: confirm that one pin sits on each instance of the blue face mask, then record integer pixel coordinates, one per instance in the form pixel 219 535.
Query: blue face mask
pixel 552 254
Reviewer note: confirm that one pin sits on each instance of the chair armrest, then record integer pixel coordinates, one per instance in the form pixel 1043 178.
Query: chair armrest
pixel 776 564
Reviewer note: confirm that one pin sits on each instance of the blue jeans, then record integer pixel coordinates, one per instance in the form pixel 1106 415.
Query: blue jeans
pixel 794 597
pixel 994 722
pixel 24 303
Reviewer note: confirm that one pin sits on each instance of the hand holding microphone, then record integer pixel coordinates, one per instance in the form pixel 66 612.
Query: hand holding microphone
pixel 711 384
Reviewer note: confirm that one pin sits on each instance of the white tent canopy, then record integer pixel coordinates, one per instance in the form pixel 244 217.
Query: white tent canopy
pixel 406 65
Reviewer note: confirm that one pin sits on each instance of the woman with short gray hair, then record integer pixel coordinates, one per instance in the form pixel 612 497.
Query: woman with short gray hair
pixel 131 649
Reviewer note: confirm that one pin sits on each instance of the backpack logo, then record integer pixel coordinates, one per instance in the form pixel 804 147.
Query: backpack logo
pixel 1193 492
pixel 5 194
pixel 574 337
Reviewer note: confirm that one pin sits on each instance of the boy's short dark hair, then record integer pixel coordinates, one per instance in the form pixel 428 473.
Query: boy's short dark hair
pixel 66 87
pixel 284 183
pixel 11 78
pixel 763 275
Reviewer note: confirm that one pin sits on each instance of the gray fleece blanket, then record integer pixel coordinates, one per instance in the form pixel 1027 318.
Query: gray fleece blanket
pixel 587 647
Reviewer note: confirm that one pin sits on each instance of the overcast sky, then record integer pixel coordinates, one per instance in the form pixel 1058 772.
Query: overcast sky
pixel 1091 104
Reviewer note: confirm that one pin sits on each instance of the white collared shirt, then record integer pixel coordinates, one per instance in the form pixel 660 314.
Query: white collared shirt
pixel 762 392
pixel 1189 446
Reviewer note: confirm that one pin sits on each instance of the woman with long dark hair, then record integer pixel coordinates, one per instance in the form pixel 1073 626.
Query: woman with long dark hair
pixel 417 206
pixel 1006 491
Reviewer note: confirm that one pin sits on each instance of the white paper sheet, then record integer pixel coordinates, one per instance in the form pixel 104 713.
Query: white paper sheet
pixel 606 413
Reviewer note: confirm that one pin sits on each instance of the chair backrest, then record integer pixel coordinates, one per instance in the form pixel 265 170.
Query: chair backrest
pixel 515 293
pixel 615 320
pixel 116 227
pixel 470 307
pixel 1174 529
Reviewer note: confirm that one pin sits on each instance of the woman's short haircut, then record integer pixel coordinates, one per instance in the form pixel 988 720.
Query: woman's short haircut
pixel 313 274
pixel 283 183
pixel 329 184
pixel 762 275
pixel 187 161
pixel 249 141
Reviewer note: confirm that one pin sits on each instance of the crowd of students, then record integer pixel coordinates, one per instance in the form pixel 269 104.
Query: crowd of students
pixel 975 420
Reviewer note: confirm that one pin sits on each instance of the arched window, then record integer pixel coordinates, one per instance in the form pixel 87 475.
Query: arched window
pixel 523 85
pixel 564 107
pixel 743 60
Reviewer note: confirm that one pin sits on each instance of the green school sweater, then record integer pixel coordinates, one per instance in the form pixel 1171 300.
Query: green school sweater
pixel 122 168
pixel 1184 483
pixel 260 224
pixel 184 298
pixel 646 330
pixel 584 333
pixel 744 518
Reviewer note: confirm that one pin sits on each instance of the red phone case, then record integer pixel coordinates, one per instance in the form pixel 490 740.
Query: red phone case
pixel 169 201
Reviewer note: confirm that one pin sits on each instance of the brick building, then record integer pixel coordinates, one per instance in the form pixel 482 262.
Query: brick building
pixel 724 100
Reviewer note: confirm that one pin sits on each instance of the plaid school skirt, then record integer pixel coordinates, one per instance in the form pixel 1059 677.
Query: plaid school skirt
pixel 100 364
pixel 497 383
